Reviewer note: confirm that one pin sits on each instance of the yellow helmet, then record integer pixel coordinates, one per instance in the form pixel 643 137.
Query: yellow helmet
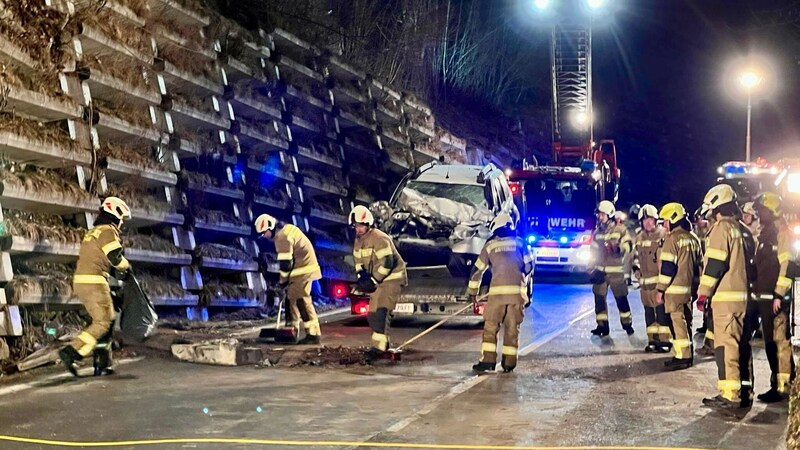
pixel 771 201
pixel 719 195
pixel 749 208
pixel 264 223
pixel 361 214
pixel 502 220
pixel 673 212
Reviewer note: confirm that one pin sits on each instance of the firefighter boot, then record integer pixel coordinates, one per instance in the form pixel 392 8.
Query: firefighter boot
pixel 723 405
pixel 601 330
pixel 508 363
pixel 309 340
pixel 679 363
pixel 652 347
pixel 482 367
pixel 101 360
pixel 373 354
pixel 628 329
pixel 772 396
pixel 69 358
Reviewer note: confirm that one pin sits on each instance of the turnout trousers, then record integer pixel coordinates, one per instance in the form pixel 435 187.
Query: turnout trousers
pixel 777 344
pixel 509 316
pixel 655 317
pixel 615 281
pixel 679 308
pixel 732 350
pixel 96 298
pixel 301 308
pixel 381 303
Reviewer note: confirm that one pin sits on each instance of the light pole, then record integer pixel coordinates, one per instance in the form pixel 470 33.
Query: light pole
pixel 749 80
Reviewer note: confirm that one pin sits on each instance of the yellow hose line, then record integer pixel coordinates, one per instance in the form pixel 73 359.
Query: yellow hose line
pixel 309 444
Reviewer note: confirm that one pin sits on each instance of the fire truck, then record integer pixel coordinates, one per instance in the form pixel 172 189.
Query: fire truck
pixel 557 202
pixel 781 177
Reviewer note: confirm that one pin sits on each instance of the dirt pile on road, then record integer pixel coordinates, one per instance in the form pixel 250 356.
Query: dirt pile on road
pixel 331 356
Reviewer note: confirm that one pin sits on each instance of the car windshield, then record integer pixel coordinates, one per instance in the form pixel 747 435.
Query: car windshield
pixel 468 194
pixel 568 197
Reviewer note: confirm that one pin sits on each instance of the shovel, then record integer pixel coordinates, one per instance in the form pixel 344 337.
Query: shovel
pixel 280 334
pixel 396 354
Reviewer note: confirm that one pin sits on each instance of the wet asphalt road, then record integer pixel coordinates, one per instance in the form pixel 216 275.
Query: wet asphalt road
pixel 568 390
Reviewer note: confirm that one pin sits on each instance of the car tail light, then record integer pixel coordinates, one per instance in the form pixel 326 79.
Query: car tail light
pixel 515 187
pixel 359 306
pixel 339 290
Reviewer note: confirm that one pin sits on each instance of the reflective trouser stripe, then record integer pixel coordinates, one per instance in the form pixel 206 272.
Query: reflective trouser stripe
pixel 664 330
pixel 89 342
pixel 507 290
pixel 89 279
pixel 653 329
pixel 625 315
pixel 509 350
pixel 729 389
pixel 602 317
pixel 729 296
pixel 680 346
pixel 312 327
pixel 381 341
pixel 613 269
pixel 305 270
pixel 783 382
pixel 649 280
pixel 488 348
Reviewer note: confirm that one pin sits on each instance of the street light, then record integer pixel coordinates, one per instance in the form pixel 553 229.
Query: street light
pixel 749 79
pixel 595 4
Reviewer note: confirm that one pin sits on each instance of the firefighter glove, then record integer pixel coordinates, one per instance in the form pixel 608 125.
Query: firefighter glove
pixel 701 303
pixel 366 285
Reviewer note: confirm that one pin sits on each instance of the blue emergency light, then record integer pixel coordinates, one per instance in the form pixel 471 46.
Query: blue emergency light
pixel 563 239
pixel 531 239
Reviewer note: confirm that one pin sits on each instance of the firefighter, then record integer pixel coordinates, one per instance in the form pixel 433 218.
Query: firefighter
pixel 751 218
pixel 298 270
pixel 678 279
pixel 610 244
pixel 100 253
pixel 627 262
pixel 727 275
pixel 645 266
pixel 381 273
pixel 704 223
pixel 511 264
pixel 774 271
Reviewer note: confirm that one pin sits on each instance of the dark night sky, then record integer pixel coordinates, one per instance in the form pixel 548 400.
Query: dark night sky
pixel 659 90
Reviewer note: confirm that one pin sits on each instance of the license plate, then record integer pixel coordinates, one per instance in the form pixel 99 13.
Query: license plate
pixel 404 308
pixel 547 252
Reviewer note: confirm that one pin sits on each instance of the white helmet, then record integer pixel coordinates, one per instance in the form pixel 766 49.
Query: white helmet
pixel 500 221
pixel 648 210
pixel 719 195
pixel 116 207
pixel 619 215
pixel 749 208
pixel 265 223
pixel 361 214
pixel 607 208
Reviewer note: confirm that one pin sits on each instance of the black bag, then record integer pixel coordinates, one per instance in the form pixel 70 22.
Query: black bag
pixel 138 319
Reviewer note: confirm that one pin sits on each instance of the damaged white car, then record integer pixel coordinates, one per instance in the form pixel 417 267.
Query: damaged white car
pixel 438 217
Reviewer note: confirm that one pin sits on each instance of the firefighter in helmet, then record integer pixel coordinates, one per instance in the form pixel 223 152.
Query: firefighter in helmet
pixel 298 270
pixel 610 244
pixel 100 254
pixel 775 269
pixel 381 273
pixel 645 266
pixel 511 264
pixel 728 274
pixel 678 279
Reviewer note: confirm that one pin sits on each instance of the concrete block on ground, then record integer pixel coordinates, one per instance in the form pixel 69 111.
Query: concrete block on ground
pixel 10 321
pixel 220 352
